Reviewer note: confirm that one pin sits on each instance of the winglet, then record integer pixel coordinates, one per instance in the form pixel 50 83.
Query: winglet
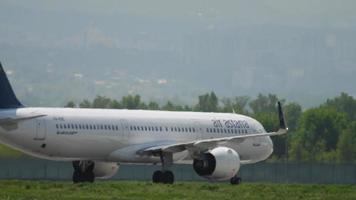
pixel 282 122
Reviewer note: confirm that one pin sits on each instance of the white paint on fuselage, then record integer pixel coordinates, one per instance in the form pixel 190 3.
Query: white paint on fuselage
pixel 121 142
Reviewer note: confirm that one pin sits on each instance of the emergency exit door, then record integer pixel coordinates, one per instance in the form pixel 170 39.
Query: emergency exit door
pixel 41 129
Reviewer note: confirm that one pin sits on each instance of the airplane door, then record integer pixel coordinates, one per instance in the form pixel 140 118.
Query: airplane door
pixel 41 129
pixel 125 131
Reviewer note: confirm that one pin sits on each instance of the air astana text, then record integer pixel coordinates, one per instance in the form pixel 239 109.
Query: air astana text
pixel 230 124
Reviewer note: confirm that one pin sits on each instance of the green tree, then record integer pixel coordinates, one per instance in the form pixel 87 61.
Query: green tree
pixel 292 112
pixel 172 107
pixel 132 102
pixel 115 104
pixel 85 104
pixel 346 148
pixel 70 104
pixel 317 135
pixel 264 103
pixel 153 106
pixel 102 102
pixel 344 103
pixel 237 104
pixel 207 103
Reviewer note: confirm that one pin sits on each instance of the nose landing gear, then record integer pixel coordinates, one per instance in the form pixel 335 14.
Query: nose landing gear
pixel 235 180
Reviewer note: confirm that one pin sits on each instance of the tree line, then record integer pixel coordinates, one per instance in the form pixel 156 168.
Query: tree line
pixel 326 133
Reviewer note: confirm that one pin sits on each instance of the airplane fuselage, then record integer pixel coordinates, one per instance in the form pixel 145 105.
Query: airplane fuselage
pixel 117 135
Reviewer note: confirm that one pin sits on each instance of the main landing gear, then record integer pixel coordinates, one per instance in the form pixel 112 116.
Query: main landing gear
pixel 164 176
pixel 235 180
pixel 83 171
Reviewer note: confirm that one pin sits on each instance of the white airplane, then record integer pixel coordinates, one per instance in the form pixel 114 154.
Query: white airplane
pixel 96 141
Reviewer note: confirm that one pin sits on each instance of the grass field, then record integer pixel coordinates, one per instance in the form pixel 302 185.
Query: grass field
pixel 6 152
pixel 182 190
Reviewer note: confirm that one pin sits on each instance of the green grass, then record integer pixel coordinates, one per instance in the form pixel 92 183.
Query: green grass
pixel 181 190
pixel 7 152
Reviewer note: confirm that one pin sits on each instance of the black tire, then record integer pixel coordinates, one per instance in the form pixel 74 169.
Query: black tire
pixel 168 177
pixel 235 180
pixel 89 177
pixel 76 165
pixel 157 177
pixel 90 166
pixel 77 177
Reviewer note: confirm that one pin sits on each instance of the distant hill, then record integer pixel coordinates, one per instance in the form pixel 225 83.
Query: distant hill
pixel 53 56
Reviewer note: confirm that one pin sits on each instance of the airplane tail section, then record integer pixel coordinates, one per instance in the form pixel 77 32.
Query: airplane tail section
pixel 8 98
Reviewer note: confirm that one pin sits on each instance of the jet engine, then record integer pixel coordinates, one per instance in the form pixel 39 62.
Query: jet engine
pixel 105 170
pixel 218 164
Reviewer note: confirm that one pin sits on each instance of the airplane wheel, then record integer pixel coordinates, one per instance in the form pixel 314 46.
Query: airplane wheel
pixel 89 177
pixel 168 177
pixel 157 177
pixel 76 166
pixel 83 176
pixel 77 177
pixel 235 180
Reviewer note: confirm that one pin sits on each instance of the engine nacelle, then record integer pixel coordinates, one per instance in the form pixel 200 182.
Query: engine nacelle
pixel 219 164
pixel 105 170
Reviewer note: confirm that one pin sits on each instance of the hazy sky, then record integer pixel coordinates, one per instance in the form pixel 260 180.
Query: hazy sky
pixel 283 12
pixel 247 46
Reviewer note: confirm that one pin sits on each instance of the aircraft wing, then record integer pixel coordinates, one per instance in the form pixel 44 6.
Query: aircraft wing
pixel 205 144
